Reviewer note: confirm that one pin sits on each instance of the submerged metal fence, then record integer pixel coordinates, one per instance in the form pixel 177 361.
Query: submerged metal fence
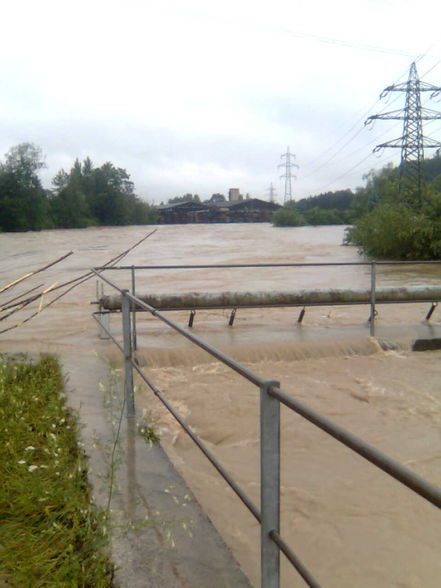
pixel 271 395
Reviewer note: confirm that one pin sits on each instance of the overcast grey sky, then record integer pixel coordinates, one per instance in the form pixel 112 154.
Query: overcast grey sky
pixel 200 96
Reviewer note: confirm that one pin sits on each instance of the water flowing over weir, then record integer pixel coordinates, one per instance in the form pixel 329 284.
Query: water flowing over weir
pixel 350 524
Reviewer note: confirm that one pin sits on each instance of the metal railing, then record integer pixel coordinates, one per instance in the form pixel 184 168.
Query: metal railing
pixel 271 395
pixel 370 264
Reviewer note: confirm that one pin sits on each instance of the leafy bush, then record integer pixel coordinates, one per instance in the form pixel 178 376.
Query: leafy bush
pixel 288 218
pixel 397 232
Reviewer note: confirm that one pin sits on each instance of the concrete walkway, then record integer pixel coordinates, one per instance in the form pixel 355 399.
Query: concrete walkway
pixel 162 538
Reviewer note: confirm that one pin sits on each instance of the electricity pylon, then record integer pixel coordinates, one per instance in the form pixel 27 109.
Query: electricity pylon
pixel 272 193
pixel 412 142
pixel 288 164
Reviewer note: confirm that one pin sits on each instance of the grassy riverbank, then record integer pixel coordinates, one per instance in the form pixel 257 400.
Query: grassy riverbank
pixel 50 533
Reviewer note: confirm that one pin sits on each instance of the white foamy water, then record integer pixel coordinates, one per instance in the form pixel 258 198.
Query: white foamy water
pixel 352 525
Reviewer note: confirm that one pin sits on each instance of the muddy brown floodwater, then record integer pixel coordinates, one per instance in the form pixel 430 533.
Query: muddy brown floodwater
pixel 352 525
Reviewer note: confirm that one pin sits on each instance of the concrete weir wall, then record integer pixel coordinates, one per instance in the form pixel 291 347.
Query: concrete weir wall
pixel 196 300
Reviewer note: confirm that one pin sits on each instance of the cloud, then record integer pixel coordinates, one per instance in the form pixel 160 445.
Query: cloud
pixel 200 97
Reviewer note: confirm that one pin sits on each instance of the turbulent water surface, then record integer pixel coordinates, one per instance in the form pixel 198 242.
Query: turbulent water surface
pixel 350 524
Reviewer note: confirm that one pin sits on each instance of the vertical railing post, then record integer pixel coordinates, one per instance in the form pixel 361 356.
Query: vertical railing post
pixel 135 342
pixel 128 368
pixel 269 485
pixel 104 322
pixel 373 299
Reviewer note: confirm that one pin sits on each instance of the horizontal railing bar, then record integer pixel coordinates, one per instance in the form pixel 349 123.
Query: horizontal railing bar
pixel 292 557
pixel 404 475
pixel 222 471
pixel 267 265
pixel 227 360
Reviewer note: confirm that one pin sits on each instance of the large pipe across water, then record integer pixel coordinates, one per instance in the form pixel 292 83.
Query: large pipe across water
pixel 330 297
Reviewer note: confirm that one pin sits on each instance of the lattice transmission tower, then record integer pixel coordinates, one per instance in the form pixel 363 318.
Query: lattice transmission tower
pixel 412 142
pixel 288 164
pixel 272 193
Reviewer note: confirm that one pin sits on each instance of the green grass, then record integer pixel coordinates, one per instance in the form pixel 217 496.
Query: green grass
pixel 50 533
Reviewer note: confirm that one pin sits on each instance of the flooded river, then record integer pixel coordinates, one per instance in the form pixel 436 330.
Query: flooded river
pixel 350 524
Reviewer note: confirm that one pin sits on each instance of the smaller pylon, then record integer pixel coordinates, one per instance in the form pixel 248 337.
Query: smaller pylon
pixel 288 164
pixel 272 193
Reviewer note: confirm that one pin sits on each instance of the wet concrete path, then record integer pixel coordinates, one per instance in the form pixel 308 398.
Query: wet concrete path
pixel 161 538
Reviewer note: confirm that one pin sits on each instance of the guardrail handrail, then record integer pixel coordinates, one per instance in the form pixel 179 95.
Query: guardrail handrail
pixel 271 396
pixel 242 265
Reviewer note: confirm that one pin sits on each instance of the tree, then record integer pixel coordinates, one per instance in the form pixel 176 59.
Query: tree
pixel 217 198
pixel 104 195
pixel 24 204
pixel 185 198
pixel 25 160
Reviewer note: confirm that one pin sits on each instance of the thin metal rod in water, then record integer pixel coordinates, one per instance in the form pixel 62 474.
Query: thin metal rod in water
pixel 431 310
pixel 128 369
pixel 373 286
pixel 269 485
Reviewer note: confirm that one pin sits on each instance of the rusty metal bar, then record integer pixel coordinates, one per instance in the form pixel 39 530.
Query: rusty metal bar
pixel 431 310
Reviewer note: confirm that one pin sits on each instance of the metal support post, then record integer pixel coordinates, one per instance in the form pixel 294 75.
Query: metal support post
pixel 104 316
pixel 128 368
pixel 232 315
pixel 134 341
pixel 104 323
pixel 373 298
pixel 269 485
pixel 301 315
pixel 431 310
pixel 191 318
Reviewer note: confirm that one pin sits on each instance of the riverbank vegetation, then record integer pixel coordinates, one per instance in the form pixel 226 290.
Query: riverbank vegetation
pixel 50 533
pixel 385 225
pixel 329 208
pixel 84 196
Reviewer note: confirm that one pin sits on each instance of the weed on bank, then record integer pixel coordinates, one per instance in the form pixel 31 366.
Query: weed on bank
pixel 50 533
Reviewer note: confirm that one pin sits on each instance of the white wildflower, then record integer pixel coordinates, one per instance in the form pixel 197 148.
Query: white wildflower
pixel 21 461
pixel 29 448
pixel 32 468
